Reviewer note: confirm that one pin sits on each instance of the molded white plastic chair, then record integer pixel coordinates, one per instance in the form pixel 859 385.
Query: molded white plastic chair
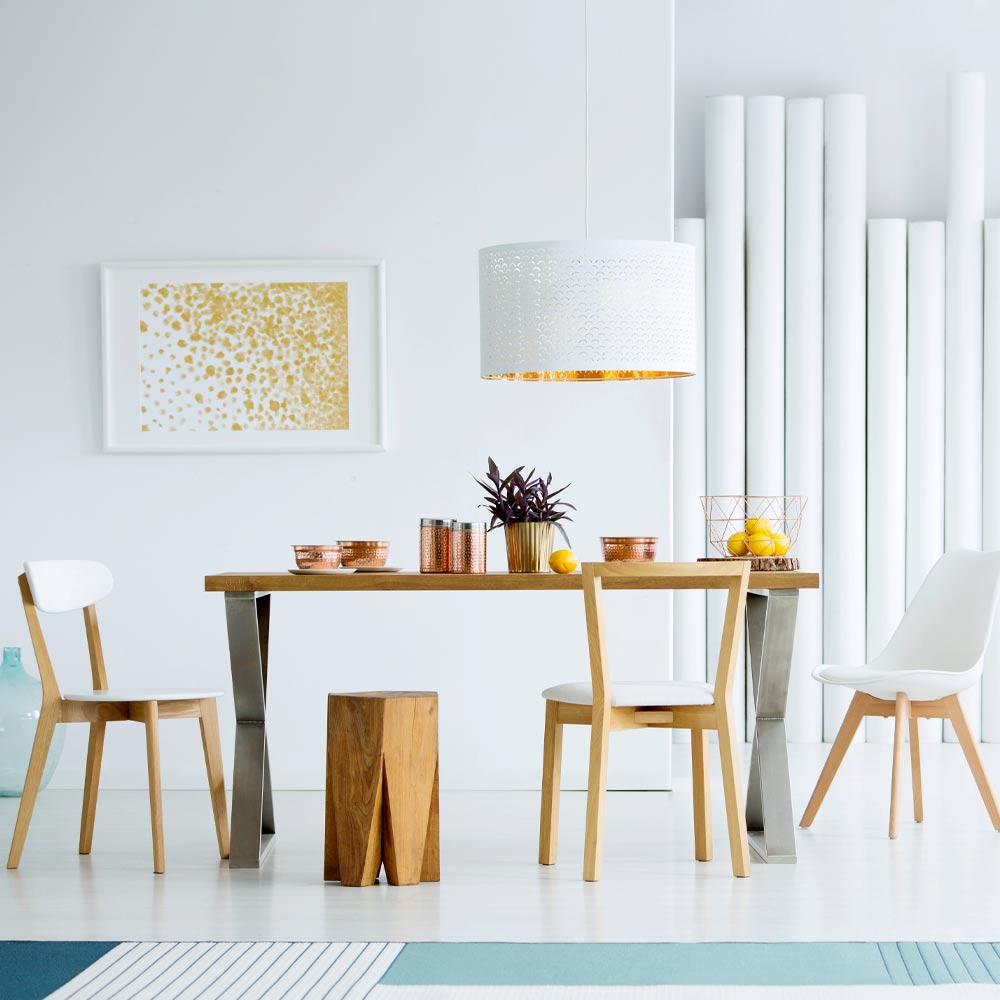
pixel 60 585
pixel 935 653
pixel 608 708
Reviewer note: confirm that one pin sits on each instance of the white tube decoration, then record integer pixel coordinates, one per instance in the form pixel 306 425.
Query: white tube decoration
pixel 991 460
pixel 765 311
pixel 725 347
pixel 963 509
pixel 804 395
pixel 886 549
pixel 843 395
pixel 924 412
pixel 689 477
pixel 765 305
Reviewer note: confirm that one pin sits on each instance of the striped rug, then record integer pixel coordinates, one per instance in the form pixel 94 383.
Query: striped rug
pixel 284 970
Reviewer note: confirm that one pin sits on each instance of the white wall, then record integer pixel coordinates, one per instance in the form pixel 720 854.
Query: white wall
pixel 413 132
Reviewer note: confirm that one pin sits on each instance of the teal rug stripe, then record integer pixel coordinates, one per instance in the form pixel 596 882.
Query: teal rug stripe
pixel 930 953
pixel 894 964
pixel 673 964
pixel 31 970
pixel 978 973
pixel 990 958
pixel 919 976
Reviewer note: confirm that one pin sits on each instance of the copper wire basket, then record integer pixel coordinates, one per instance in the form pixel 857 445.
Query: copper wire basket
pixel 733 521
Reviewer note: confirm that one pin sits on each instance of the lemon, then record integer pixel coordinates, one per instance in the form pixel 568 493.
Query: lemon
pixel 761 544
pixel 563 561
pixel 737 544
pixel 781 543
pixel 758 526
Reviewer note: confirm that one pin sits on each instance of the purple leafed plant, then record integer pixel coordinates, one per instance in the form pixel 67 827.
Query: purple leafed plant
pixel 519 498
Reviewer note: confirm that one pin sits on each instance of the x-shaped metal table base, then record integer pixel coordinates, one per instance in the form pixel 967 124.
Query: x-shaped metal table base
pixel 770 631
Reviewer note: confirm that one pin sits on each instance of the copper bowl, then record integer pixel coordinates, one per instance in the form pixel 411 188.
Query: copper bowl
pixel 364 553
pixel 317 556
pixel 626 548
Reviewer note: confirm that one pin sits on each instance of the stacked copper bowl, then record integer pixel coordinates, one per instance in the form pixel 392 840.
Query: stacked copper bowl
pixel 318 556
pixel 364 554
pixel 629 548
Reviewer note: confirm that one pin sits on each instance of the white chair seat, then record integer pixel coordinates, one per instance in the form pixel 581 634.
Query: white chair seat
pixel 636 695
pixel 917 685
pixel 142 694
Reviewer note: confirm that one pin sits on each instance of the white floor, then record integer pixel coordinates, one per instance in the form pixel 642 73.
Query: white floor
pixel 939 880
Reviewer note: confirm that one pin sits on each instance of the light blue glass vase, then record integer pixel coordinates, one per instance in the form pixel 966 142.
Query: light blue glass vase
pixel 20 705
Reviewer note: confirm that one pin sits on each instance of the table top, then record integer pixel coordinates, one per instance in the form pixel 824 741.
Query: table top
pixel 283 581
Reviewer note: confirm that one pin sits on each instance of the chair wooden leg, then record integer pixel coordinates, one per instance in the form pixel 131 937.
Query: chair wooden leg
pixel 918 788
pixel 212 745
pixel 855 713
pixel 152 719
pixel 548 831
pixel 899 736
pixel 91 781
pixel 32 781
pixel 597 789
pixel 971 751
pixel 732 786
pixel 702 795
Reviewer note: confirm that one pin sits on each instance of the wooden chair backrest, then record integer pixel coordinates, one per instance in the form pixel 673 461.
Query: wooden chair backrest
pixel 733 577
pixel 50 686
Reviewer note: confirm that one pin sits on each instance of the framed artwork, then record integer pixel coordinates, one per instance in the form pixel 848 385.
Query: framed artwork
pixel 244 356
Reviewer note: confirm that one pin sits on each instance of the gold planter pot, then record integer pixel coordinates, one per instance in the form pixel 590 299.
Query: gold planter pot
pixel 529 545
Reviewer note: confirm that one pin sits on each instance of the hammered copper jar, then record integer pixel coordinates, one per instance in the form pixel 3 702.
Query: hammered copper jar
pixel 468 547
pixel 435 545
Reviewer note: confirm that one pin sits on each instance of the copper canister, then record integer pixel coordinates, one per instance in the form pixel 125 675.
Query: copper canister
pixel 468 547
pixel 435 545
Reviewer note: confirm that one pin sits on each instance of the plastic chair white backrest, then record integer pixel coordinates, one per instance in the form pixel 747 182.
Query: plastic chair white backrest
pixel 948 622
pixel 59 585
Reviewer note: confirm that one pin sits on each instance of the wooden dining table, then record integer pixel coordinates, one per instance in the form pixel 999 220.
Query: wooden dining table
pixel 771 609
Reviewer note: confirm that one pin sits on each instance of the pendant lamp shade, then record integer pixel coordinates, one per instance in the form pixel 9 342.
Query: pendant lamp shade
pixel 587 310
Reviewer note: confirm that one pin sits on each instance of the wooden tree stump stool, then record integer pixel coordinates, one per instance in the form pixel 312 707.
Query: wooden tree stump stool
pixel 382 788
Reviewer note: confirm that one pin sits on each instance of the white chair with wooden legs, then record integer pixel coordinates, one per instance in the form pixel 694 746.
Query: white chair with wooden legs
pixel 934 654
pixel 57 586
pixel 608 708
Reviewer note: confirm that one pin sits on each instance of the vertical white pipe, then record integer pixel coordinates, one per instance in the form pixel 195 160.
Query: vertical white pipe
pixel 924 412
pixel 843 394
pixel 765 304
pixel 804 395
pixel 725 346
pixel 689 477
pixel 963 425
pixel 765 221
pixel 886 550
pixel 991 459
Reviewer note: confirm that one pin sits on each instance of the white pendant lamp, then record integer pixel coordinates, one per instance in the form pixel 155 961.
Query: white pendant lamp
pixel 587 310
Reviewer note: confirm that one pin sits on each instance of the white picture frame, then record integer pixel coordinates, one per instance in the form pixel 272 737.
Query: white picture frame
pixel 356 420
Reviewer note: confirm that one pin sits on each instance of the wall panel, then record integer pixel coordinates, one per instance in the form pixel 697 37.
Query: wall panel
pixel 886 454
pixel 964 328
pixel 804 393
pixel 844 495
pixel 725 345
pixel 924 411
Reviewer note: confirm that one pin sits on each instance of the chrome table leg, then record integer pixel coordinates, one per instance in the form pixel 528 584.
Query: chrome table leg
pixel 771 632
pixel 252 824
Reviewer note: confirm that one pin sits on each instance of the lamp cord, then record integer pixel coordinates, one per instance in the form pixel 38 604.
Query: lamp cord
pixel 586 119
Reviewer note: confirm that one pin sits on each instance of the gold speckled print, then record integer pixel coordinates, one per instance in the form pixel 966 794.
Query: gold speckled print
pixel 242 356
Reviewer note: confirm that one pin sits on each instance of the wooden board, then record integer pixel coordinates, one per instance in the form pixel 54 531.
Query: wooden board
pixel 284 582
pixel 760 564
